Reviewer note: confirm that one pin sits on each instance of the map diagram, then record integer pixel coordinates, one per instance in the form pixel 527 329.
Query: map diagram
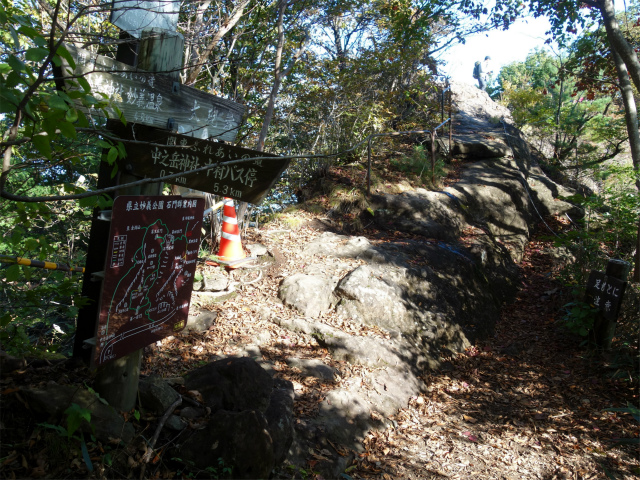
pixel 151 262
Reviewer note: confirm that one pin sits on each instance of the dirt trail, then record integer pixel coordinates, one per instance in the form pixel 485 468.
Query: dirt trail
pixel 527 403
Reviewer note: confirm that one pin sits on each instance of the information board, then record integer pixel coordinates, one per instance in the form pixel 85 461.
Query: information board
pixel 605 293
pixel 166 153
pixel 151 261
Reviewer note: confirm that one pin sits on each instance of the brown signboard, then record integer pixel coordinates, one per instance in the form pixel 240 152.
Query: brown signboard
pixel 169 153
pixel 155 99
pixel 151 260
pixel 605 293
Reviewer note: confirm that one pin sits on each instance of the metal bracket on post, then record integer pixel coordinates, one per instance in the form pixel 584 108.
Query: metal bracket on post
pixel 104 215
pixel 97 276
pixel 172 125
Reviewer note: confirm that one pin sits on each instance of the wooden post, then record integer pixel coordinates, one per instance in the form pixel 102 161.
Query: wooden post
pixel 605 328
pixel 369 167
pixel 450 121
pixel 433 157
pixel 117 381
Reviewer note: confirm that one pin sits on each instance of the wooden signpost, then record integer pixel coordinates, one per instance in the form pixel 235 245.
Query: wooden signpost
pixel 605 292
pixel 171 153
pixel 133 264
pixel 154 99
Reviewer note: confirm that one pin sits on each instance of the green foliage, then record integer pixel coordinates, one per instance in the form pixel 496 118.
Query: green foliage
pixel 609 227
pixel 75 415
pixel 302 472
pixel 579 317
pixel 221 471
pixel 39 306
pixel 52 151
pixel 419 164
pixel 543 97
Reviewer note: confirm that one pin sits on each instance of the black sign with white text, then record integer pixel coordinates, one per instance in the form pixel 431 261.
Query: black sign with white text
pixel 154 153
pixel 605 293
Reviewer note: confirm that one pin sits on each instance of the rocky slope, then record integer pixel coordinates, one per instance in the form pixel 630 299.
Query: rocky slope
pixel 395 308
pixel 298 364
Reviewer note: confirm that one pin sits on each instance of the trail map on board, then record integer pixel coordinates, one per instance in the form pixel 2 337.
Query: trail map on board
pixel 151 261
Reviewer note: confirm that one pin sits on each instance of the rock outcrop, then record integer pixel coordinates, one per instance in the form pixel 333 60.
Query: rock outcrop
pixel 429 297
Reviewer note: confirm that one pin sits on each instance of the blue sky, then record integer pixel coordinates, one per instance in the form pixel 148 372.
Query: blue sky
pixel 503 47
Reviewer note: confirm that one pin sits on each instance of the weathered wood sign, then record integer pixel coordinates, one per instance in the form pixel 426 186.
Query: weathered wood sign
pixel 134 16
pixel 154 99
pixel 151 260
pixel 169 153
pixel 605 293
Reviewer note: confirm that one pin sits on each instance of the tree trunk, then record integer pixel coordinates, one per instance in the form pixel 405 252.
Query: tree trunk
pixel 631 118
pixel 233 18
pixel 636 270
pixel 617 40
pixel 278 73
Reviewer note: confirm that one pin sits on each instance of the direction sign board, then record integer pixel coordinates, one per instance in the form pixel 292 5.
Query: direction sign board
pixel 605 293
pixel 134 16
pixel 154 99
pixel 169 153
pixel 151 261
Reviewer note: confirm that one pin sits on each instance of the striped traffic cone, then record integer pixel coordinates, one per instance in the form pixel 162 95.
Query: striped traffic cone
pixel 230 243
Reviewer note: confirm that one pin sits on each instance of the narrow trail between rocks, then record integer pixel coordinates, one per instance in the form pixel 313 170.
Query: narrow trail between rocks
pixel 528 403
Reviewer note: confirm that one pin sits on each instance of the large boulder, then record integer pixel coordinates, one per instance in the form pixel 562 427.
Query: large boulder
pixel 156 395
pixel 51 401
pixel 431 214
pixel 309 294
pixel 233 384
pixel 280 420
pixel 250 428
pixel 239 441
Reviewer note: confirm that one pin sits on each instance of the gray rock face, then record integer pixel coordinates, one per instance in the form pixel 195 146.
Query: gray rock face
pixel 240 439
pixel 479 147
pixel 313 368
pixel 201 322
pixel 156 396
pixel 347 416
pixel 52 400
pixel 329 243
pixel 430 296
pixel 257 249
pixel 251 422
pixel 215 281
pixel 432 214
pixel 311 295
pixel 234 384
pixel 279 416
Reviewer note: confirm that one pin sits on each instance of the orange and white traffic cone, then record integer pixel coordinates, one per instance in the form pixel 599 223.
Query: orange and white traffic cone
pixel 230 243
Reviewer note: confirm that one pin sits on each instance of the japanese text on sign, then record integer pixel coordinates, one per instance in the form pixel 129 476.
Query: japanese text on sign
pixel 605 293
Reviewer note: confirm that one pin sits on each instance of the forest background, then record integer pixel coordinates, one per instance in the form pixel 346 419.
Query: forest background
pixel 317 78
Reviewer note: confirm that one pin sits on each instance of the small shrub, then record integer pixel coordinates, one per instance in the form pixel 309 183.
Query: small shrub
pixel 579 317
pixel 419 164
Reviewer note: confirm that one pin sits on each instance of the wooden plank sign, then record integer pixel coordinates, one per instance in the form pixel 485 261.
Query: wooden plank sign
pixel 605 293
pixel 155 99
pixel 151 261
pixel 169 153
